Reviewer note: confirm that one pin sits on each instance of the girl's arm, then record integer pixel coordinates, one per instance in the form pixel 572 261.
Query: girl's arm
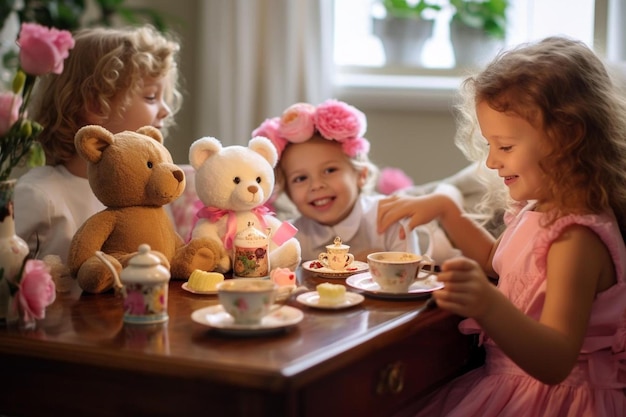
pixel 578 266
pixel 465 234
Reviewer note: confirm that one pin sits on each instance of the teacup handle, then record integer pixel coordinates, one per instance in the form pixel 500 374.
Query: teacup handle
pixel 323 259
pixel 349 258
pixel 427 261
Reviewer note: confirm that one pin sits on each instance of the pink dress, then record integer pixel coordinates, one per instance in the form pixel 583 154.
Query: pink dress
pixel 597 384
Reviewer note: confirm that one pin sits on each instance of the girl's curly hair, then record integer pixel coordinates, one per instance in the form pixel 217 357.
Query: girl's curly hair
pixel 559 86
pixel 105 65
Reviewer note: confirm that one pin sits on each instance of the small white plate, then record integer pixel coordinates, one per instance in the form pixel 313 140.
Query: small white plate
pixel 312 299
pixel 217 318
pixel 186 288
pixel 317 268
pixel 421 288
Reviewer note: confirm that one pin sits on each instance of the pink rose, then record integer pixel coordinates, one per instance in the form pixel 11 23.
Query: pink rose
pixel 393 179
pixel 339 121
pixel 37 290
pixel 297 122
pixel 355 146
pixel 9 111
pixel 43 50
pixel 269 129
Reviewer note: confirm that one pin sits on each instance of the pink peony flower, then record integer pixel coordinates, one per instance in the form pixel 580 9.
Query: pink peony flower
pixel 43 50
pixel 9 110
pixel 297 122
pixel 269 129
pixel 339 121
pixel 392 180
pixel 37 290
pixel 356 146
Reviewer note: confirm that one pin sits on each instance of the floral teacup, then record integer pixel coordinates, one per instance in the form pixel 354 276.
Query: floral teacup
pixel 394 272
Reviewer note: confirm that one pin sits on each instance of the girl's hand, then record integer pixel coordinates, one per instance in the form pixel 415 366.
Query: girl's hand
pixel 467 290
pixel 395 208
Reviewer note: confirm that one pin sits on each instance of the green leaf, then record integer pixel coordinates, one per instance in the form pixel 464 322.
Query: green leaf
pixel 36 156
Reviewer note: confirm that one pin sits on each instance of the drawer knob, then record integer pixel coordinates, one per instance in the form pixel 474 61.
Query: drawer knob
pixel 391 379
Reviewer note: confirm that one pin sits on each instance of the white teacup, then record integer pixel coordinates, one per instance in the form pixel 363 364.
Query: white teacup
pixel 395 272
pixel 248 300
pixel 336 256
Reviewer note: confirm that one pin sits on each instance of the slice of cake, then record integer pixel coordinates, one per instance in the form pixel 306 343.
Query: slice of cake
pixel 202 281
pixel 331 293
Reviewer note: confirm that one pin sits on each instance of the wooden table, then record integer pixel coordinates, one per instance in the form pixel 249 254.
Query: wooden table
pixel 373 359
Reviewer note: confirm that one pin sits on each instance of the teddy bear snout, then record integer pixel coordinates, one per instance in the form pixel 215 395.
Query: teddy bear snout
pixel 179 175
pixel 253 189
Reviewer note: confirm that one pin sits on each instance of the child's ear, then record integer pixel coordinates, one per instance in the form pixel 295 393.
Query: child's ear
pixel 362 177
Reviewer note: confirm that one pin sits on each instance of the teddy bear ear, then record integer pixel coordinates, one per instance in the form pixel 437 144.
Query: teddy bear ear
pixel 202 149
pixel 152 132
pixel 91 141
pixel 264 147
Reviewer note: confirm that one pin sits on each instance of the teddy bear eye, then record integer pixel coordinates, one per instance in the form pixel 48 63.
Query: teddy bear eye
pixel 258 180
pixel 236 180
pixel 149 164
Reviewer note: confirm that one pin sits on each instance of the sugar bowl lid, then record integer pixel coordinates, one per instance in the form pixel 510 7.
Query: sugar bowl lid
pixel 145 267
pixel 338 245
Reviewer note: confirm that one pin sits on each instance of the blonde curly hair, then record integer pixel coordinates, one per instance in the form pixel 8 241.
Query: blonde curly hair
pixel 105 64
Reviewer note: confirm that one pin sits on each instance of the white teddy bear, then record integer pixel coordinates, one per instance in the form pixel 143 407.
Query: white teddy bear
pixel 233 183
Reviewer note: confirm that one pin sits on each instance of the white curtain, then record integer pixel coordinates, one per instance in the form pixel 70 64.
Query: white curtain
pixel 258 57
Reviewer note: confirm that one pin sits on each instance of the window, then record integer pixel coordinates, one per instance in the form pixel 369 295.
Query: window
pixel 363 73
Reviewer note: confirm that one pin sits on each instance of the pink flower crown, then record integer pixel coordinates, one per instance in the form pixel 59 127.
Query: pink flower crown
pixel 333 120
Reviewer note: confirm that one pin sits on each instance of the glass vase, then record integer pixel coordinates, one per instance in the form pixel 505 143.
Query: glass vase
pixel 13 251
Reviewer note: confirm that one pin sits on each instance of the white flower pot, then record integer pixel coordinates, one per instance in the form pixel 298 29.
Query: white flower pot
pixel 472 47
pixel 403 39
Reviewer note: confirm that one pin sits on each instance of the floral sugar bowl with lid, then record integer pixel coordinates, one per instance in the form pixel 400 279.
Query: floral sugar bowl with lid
pixel 144 286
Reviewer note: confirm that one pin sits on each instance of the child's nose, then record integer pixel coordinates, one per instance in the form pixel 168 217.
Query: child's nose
pixel 317 184
pixel 164 110
pixel 491 162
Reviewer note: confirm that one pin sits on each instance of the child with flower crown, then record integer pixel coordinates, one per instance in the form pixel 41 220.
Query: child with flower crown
pixel 121 79
pixel 325 171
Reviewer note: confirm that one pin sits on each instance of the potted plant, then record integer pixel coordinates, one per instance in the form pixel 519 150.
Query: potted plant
pixel 403 27
pixel 477 30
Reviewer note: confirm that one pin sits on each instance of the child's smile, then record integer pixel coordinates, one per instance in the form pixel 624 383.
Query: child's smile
pixel 320 180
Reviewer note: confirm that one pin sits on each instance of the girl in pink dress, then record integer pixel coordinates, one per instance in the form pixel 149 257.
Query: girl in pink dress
pixel 548 120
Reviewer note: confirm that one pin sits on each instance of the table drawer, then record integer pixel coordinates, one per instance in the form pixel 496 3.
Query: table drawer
pixel 387 380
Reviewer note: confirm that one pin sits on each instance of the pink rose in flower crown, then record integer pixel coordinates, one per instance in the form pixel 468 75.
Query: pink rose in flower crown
pixel 43 50
pixel 36 290
pixel 297 122
pixel 269 129
pixel 339 121
pixel 355 146
pixel 9 110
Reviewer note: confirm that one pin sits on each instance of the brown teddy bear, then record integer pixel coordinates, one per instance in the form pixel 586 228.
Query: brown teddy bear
pixel 133 175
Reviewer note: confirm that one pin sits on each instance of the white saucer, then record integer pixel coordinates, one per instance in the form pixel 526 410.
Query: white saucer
pixel 312 299
pixel 216 318
pixel 354 268
pixel 186 288
pixel 421 288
